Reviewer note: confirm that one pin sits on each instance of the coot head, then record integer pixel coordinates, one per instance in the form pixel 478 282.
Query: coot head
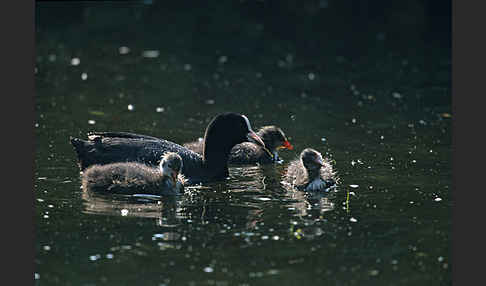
pixel 227 130
pixel 274 139
pixel 171 165
pixel 311 159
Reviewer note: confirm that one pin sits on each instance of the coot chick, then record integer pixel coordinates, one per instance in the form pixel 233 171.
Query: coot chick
pixel 311 172
pixel 223 132
pixel 136 178
pixel 250 153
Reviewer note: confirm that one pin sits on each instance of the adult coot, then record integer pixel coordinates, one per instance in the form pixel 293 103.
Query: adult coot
pixel 310 172
pixel 136 178
pixel 223 132
pixel 250 153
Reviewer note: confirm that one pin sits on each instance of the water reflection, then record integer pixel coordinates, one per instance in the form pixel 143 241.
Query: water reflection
pixel 167 211
pixel 240 202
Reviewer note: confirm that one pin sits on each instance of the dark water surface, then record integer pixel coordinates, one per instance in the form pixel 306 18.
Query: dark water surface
pixel 384 120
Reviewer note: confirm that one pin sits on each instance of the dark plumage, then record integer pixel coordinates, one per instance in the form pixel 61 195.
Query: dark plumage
pixel 223 132
pixel 251 153
pixel 136 178
pixel 310 172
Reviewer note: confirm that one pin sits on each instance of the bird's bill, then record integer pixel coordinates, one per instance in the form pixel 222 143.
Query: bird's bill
pixel 286 145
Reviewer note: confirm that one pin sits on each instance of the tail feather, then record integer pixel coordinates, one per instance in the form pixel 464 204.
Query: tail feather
pixel 78 147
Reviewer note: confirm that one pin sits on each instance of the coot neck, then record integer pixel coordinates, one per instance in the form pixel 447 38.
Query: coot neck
pixel 313 174
pixel 215 157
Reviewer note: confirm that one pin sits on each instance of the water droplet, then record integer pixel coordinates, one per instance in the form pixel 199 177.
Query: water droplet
pixel 397 95
pixel 130 107
pixel 94 257
pixel 311 76
pixel 187 67
pixel 159 109
pixel 91 122
pixel 150 54
pixel 265 237
pixel 374 272
pixel 123 50
pixel 36 276
pixel 47 247
pixel 440 258
pixel 208 269
pixel 109 256
pixel 75 61
pixel 222 59
pixel 84 76
pixel 275 237
pixel 210 101
pixel 323 139
pixel 353 120
pixel 353 219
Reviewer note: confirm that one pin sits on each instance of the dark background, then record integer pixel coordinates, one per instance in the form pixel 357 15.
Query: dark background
pixel 316 28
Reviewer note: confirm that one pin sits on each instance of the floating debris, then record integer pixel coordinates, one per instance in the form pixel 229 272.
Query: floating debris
pixel 210 101
pixel 445 115
pixel 124 212
pixel 354 186
pixel 130 107
pixel 437 199
pixel 96 112
pixel 208 269
pixel 91 122
pixel 353 219
pixel 84 76
pixel 397 95
pixel 159 109
pixel 187 67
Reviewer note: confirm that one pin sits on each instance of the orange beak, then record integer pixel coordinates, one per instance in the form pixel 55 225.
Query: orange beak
pixel 287 145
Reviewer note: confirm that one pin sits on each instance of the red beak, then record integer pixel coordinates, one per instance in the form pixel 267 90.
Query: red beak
pixel 287 145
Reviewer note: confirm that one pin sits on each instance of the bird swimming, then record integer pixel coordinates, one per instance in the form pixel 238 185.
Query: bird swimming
pixel 136 178
pixel 310 172
pixel 222 133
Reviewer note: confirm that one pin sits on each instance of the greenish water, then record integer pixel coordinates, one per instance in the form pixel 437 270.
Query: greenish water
pixel 383 120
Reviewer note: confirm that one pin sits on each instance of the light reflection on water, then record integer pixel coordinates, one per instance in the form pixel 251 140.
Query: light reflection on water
pixel 249 229
pixel 245 190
